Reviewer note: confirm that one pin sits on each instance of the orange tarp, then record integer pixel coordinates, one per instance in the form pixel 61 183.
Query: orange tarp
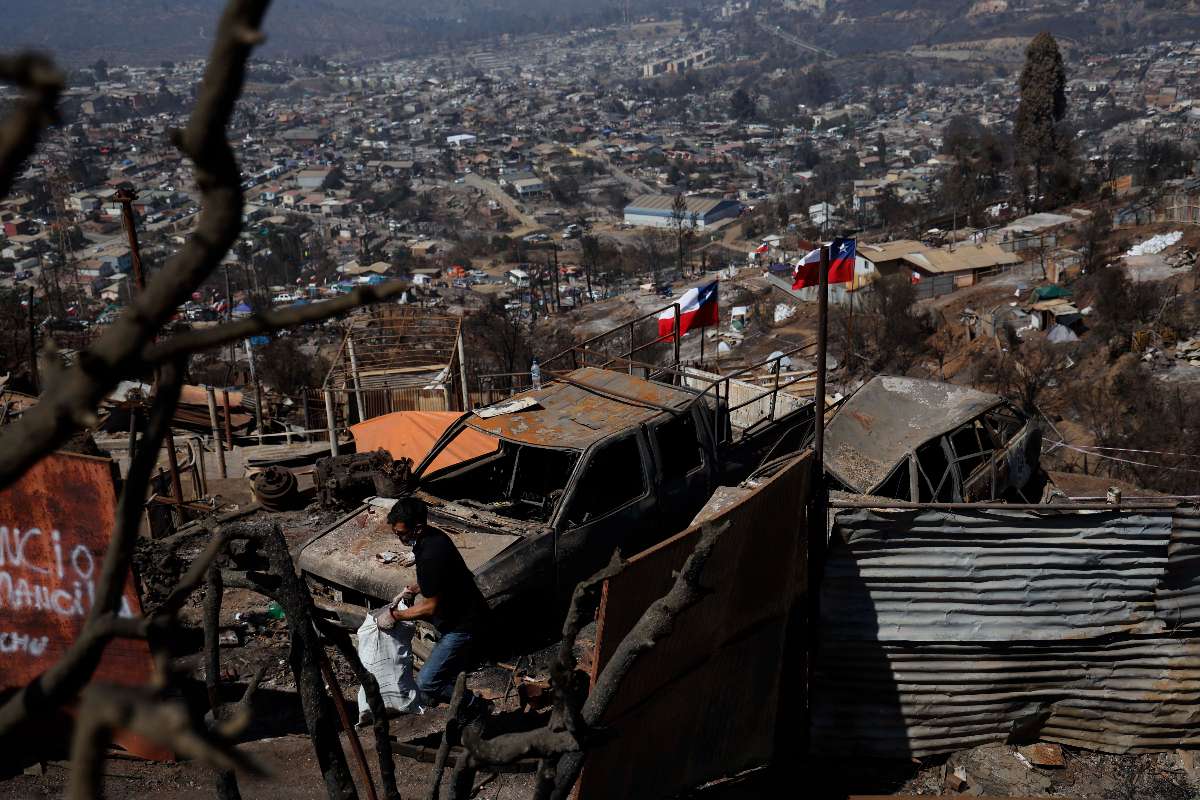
pixel 412 434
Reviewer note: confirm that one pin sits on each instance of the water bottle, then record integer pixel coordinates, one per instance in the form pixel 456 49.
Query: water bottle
pixel 535 375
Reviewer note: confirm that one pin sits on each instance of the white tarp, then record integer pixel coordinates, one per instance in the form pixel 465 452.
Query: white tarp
pixel 1155 244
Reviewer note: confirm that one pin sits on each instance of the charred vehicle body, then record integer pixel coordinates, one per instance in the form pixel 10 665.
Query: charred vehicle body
pixel 931 442
pixel 562 477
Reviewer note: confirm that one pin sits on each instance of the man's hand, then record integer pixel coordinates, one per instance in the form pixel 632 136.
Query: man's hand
pixel 384 618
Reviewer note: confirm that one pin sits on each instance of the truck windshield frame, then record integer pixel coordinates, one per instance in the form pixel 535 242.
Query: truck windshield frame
pixel 517 480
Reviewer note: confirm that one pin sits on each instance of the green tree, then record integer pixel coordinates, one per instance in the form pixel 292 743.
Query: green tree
pixel 1042 107
pixel 881 150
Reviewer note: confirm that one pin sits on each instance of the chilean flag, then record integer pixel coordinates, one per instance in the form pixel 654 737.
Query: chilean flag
pixel 697 309
pixel 841 265
pixel 808 271
pixel 841 261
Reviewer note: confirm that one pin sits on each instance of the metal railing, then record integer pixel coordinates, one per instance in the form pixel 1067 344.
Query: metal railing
pixel 597 345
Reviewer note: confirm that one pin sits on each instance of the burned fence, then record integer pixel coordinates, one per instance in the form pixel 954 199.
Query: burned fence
pixel 944 630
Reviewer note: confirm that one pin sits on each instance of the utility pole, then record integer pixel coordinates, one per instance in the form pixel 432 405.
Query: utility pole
pixel 126 197
pixel 33 355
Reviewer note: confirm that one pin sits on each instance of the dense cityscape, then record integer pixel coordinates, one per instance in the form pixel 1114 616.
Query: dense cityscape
pixel 782 297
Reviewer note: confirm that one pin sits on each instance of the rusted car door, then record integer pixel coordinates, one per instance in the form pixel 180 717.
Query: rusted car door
pixel 684 468
pixel 610 504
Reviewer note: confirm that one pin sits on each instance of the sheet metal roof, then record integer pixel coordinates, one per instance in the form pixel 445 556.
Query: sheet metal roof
pixel 572 416
pixel 939 259
pixel 658 203
pixel 885 420
pixel 942 631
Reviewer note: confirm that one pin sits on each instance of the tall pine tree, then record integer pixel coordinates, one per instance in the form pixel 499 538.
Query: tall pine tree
pixel 1043 105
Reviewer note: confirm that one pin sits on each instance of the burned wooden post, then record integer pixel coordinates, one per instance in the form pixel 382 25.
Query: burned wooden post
pixel 462 373
pixel 330 423
pixel 280 582
pixel 228 423
pixel 258 409
pixel 358 398
pixel 216 431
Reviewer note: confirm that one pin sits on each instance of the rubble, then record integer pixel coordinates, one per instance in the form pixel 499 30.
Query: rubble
pixel 1189 350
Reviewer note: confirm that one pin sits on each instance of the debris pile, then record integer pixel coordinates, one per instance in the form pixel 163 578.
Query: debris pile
pixel 1155 244
pixel 1184 259
pixel 1189 351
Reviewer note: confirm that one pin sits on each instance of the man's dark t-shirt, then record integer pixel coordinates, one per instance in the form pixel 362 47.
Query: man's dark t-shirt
pixel 442 573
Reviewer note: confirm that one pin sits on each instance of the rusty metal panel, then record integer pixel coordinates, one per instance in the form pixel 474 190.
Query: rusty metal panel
pixel 55 524
pixel 709 693
pixel 885 420
pixel 944 630
pixel 572 416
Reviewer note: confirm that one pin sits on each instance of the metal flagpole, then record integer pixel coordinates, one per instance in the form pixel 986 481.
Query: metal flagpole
pixel 819 500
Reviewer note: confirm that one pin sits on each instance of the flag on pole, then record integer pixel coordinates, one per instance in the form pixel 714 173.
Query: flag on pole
pixel 808 271
pixel 763 248
pixel 697 309
pixel 841 261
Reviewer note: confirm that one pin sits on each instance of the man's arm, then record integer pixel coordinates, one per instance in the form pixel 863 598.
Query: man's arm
pixel 425 609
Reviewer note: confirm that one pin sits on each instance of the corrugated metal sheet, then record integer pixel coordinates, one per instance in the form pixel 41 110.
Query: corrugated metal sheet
pixel 941 631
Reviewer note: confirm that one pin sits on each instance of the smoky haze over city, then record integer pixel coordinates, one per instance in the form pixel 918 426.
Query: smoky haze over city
pixel 529 399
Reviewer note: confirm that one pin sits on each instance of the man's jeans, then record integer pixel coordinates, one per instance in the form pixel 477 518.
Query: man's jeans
pixel 450 656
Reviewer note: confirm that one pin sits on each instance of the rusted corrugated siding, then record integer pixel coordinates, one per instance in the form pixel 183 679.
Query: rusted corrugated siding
pixel 944 630
pixel 709 693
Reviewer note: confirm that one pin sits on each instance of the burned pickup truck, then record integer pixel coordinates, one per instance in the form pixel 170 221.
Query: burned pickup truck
pixel 559 478
pixel 925 441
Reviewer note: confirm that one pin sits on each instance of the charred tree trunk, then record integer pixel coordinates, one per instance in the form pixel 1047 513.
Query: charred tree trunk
pixel 281 583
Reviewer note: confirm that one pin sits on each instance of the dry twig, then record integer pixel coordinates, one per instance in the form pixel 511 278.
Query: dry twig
pixel 37 110
pixel 270 321
pixel 72 395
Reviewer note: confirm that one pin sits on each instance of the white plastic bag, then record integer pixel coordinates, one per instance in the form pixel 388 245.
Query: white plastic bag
pixel 387 654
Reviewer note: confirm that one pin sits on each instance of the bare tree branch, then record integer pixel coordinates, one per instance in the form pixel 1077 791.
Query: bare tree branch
pixel 107 708
pixel 565 729
pixel 379 710
pixel 281 583
pixel 72 395
pixel 449 735
pixel 269 321
pixel 37 110
pixel 655 623
pixel 70 673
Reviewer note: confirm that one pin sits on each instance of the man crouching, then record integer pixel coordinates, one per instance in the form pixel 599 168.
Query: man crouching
pixel 450 599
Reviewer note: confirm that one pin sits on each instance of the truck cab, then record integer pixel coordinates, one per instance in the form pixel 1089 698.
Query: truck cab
pixel 538 492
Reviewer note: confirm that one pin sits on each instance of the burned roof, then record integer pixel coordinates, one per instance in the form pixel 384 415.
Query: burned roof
pixel 583 407
pixel 888 418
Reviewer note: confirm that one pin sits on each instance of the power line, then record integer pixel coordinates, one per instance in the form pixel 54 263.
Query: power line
pixel 1125 460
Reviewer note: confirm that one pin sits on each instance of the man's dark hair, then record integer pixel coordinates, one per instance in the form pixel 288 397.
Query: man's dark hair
pixel 409 510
